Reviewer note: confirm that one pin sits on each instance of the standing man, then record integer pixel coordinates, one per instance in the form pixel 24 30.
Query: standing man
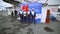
pixel 15 12
pixel 28 16
pixel 12 14
pixel 21 15
pixel 33 16
pixel 24 17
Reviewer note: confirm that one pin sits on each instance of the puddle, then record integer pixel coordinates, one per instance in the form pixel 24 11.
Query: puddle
pixel 48 29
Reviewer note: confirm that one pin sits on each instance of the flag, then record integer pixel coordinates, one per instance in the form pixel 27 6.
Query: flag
pixel 26 7
pixel 23 8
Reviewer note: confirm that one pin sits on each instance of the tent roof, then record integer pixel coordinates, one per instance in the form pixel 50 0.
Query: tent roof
pixel 4 4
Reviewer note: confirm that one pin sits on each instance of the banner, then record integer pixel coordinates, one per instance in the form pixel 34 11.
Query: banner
pixel 37 8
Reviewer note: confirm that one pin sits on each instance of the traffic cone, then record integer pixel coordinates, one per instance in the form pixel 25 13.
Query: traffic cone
pixel 47 18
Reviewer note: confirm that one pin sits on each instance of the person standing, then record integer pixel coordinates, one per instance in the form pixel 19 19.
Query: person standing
pixel 21 15
pixel 12 14
pixel 28 16
pixel 33 16
pixel 24 16
pixel 15 12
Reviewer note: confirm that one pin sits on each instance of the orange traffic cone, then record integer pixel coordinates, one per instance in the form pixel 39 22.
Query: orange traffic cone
pixel 47 18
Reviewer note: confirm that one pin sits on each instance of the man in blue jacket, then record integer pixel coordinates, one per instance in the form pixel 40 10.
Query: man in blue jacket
pixel 21 15
pixel 33 15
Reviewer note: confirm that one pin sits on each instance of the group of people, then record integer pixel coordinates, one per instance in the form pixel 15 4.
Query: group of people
pixel 27 16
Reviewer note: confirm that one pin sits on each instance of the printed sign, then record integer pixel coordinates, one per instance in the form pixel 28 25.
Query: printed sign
pixel 37 8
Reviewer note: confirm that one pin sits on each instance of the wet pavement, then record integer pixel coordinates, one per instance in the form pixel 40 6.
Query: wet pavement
pixel 10 25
